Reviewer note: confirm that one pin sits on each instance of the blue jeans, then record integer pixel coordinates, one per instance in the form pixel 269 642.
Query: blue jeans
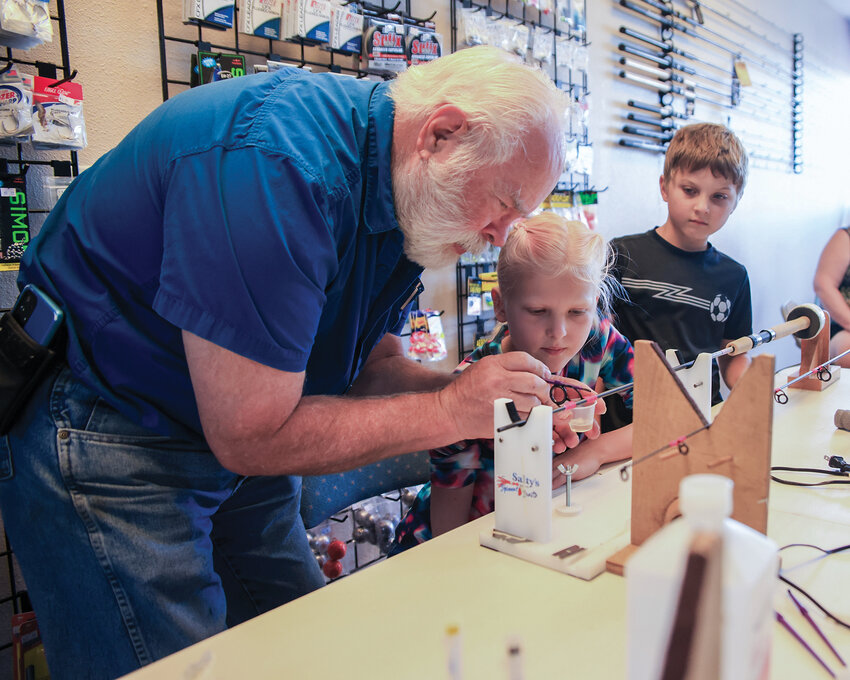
pixel 135 545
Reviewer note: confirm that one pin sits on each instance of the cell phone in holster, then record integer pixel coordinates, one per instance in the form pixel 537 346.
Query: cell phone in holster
pixel 25 355
pixel 38 315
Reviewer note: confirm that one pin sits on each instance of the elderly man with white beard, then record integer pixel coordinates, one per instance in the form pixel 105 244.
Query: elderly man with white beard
pixel 233 277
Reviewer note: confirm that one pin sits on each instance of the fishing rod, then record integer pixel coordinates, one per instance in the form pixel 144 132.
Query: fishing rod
pixel 765 104
pixel 803 321
pixel 666 61
pixel 667 49
pixel 664 19
pixel 670 48
pixel 670 88
pixel 665 87
pixel 823 374
pixel 646 146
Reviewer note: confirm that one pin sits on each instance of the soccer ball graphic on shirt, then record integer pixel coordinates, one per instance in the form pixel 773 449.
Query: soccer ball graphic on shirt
pixel 720 308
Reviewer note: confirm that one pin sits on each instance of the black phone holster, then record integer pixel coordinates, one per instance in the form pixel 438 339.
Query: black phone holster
pixel 23 364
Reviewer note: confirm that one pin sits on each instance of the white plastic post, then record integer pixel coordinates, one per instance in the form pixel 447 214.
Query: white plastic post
pixel 523 471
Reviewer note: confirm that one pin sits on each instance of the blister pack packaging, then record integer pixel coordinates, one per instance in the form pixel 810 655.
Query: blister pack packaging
pixel 57 118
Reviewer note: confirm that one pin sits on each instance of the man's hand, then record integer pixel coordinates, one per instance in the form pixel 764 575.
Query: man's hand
pixel 468 401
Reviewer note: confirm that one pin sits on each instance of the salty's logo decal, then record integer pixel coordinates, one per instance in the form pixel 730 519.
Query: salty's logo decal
pixel 517 484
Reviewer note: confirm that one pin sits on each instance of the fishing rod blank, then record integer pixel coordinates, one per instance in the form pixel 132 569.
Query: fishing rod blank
pixel 701 25
pixel 636 144
pixel 643 132
pixel 667 76
pixel 661 123
pixel 668 62
pixel 665 88
pixel 669 48
pixel 803 321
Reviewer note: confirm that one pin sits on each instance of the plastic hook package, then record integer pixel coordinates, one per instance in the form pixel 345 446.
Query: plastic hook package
pixel 474 28
pixel 25 23
pixel 579 114
pixel 497 33
pixel 15 107
pixel 542 45
pixel 57 115
pixel 563 52
pixel 518 37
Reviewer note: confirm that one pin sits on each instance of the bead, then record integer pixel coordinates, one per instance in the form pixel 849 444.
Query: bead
pixel 332 568
pixel 336 550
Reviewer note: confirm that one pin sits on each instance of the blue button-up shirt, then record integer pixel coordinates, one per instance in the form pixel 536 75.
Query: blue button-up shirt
pixel 256 213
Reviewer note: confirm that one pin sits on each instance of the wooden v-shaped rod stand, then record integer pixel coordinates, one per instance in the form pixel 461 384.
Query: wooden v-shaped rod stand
pixel 737 444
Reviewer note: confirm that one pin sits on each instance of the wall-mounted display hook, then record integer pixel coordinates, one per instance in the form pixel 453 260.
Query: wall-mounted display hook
pixel 415 20
pixel 66 79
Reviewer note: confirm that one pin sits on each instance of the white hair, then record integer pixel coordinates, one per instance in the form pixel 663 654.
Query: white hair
pixel 503 98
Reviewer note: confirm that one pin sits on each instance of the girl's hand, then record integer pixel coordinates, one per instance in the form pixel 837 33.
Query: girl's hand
pixel 564 437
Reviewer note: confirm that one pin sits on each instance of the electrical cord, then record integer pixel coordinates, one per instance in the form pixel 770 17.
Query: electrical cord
pixel 817 604
pixel 838 467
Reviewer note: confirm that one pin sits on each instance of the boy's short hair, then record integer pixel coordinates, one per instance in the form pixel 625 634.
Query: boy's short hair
pixel 552 245
pixel 707 145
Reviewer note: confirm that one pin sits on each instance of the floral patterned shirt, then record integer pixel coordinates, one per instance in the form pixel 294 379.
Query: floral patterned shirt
pixel 607 355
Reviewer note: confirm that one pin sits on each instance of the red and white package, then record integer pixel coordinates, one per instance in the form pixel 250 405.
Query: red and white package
pixel 57 114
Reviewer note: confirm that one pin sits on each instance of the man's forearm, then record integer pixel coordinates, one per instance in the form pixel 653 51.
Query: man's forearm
pixel 394 374
pixel 330 434
pixel 834 303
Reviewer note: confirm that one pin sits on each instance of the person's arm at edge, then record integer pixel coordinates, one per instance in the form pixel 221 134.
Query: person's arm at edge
pixel 450 507
pixel 832 265
pixel 256 421
pixel 592 454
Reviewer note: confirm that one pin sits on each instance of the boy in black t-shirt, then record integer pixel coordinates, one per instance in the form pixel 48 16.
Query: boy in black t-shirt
pixel 683 293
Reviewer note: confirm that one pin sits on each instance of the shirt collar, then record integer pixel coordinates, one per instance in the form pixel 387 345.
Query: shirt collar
pixel 378 206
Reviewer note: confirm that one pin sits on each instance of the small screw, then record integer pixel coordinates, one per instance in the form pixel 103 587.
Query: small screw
pixel 568 472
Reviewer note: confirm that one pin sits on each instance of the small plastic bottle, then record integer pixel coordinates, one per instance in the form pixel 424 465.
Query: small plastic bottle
pixel 750 564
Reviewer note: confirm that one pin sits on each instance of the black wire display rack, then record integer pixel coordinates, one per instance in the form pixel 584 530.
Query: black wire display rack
pixel 20 154
pixel 21 157
pixel 471 329
pixel 297 51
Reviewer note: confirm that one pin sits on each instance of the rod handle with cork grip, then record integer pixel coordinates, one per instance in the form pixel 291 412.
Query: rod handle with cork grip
pixel 804 321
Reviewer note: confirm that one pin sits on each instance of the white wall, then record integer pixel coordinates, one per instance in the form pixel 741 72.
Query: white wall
pixel 783 220
pixel 777 231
